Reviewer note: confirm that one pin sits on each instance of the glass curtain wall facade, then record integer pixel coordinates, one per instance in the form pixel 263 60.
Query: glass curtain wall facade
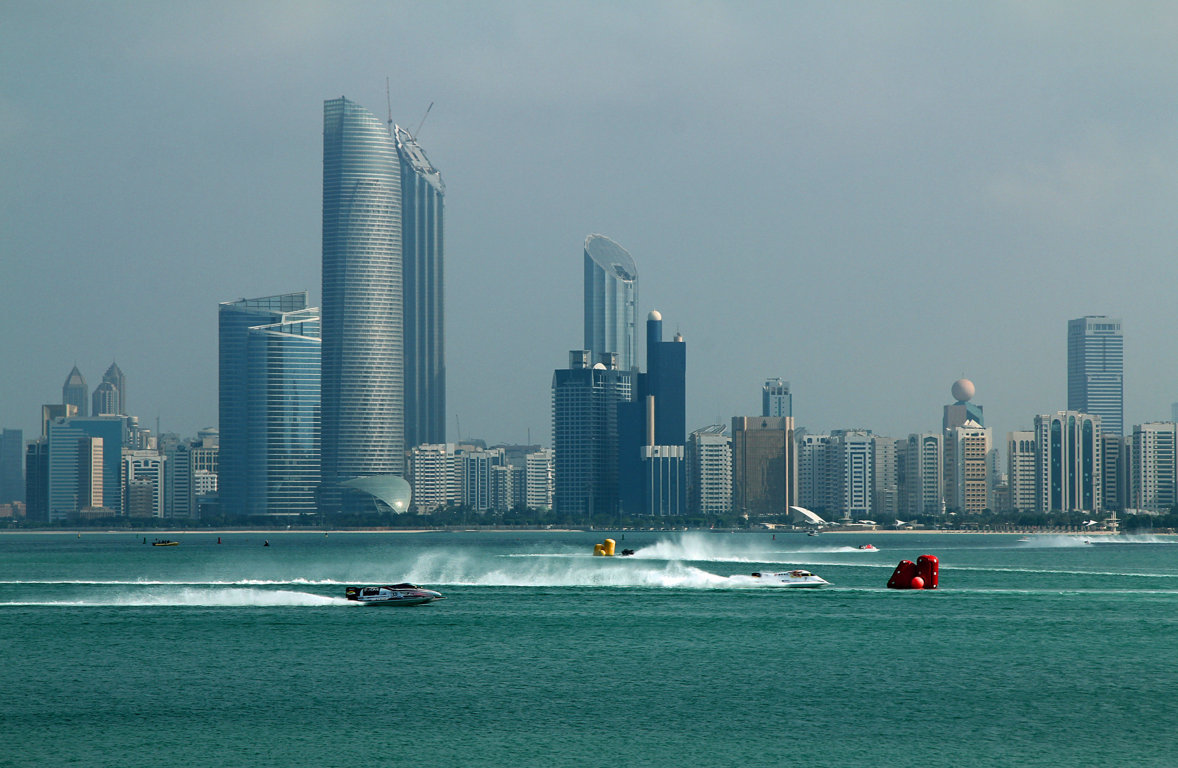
pixel 363 413
pixel 611 301
pixel 12 466
pixel 75 393
pixel 422 243
pixel 1096 367
pixel 283 406
pixel 235 379
pixel 114 376
pixel 63 470
pixel 763 465
pixel 585 436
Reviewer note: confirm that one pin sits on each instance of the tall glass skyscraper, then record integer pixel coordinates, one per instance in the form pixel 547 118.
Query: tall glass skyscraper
pixel 269 405
pixel 422 208
pixel 611 301
pixel 114 376
pixel 1096 366
pixel 585 400
pixel 363 415
pixel 74 391
pixel 283 370
pixel 12 465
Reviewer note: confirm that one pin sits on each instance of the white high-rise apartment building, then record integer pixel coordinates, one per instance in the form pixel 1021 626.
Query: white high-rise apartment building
pixel 776 398
pixel 710 470
pixel 816 489
pixel 540 479
pixel 204 482
pixel 1067 462
pixel 478 478
pixel 432 472
pixel 885 499
pixel 1020 469
pixel 144 470
pixel 967 481
pixel 1154 483
pixel 924 483
pixel 854 475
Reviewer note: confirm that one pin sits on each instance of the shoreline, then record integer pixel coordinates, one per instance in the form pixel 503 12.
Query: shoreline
pixel 158 532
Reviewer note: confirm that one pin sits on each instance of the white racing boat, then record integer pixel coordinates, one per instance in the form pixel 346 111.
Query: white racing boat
pixel 395 594
pixel 794 578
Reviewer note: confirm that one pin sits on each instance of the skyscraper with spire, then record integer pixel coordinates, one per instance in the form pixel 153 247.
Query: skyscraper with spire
pixel 114 376
pixel 75 392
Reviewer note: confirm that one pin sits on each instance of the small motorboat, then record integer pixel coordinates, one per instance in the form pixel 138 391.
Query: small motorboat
pixel 868 547
pixel 794 578
pixel 165 543
pixel 395 594
pixel 812 533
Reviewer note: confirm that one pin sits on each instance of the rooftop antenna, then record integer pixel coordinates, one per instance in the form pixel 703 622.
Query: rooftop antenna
pixel 388 100
pixel 423 117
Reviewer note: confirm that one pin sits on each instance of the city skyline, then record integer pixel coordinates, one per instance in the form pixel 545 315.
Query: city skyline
pixel 879 249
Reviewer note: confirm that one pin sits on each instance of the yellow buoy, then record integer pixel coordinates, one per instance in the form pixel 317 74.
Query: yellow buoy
pixel 607 548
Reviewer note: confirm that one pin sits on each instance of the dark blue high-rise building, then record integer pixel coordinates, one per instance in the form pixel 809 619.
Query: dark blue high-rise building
pixel 587 411
pixel 12 466
pixel 652 429
pixel 269 405
pixel 423 247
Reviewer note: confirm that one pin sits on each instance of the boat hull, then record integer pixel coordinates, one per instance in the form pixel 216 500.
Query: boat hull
pixel 397 594
pixel 797 579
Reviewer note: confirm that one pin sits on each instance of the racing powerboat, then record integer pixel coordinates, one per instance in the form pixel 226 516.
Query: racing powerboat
pixel 395 594
pixel 868 547
pixel 794 578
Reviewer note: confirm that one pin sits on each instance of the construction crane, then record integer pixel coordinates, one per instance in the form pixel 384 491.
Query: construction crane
pixel 423 117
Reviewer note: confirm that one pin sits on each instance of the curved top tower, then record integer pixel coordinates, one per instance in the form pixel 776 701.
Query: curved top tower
pixel 362 417
pixel 611 301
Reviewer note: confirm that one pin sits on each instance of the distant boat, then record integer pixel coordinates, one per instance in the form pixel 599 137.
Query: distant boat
pixel 868 547
pixel 794 578
pixel 165 543
pixel 812 533
pixel 396 594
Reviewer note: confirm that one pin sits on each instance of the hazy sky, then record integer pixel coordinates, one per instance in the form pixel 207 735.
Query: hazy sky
pixel 867 199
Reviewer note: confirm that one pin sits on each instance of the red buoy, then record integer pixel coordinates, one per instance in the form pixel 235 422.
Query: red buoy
pixel 919 575
pixel 927 567
pixel 903 575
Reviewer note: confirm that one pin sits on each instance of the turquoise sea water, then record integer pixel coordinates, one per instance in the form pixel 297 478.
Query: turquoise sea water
pixel 1050 652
